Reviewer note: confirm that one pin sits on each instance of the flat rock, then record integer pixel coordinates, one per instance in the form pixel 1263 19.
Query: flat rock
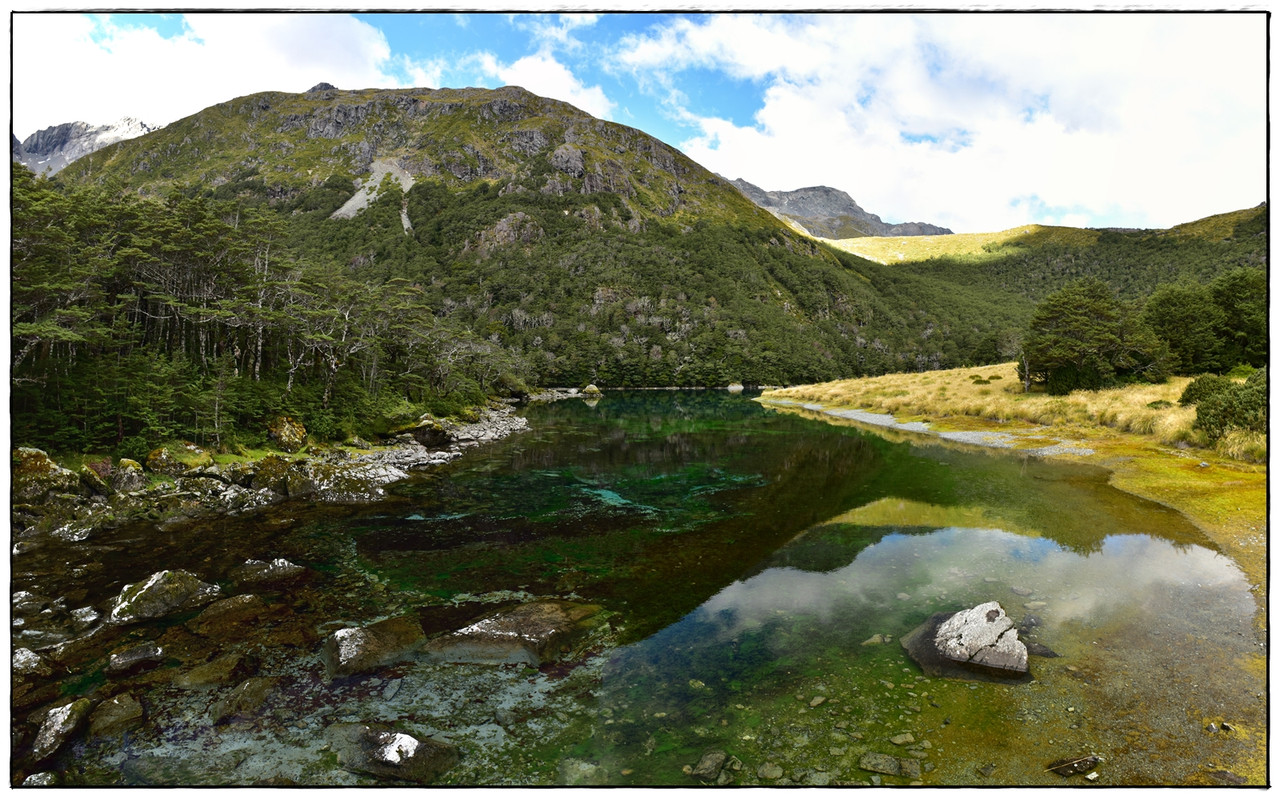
pixel 531 633
pixel 244 700
pixel 226 617
pixel 880 763
pixel 223 670
pixel 366 648
pixel 115 716
pixel 386 753
pixel 710 765
pixel 134 659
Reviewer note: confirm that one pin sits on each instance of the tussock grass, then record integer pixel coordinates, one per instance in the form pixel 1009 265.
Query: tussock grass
pixel 995 393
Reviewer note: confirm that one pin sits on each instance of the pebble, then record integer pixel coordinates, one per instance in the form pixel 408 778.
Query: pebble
pixel 902 739
pixel 818 700
pixel 767 771
pixel 1035 605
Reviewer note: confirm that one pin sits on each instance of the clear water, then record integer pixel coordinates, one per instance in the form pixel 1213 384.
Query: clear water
pixel 745 559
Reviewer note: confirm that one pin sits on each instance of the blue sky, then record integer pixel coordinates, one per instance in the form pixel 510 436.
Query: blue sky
pixel 972 121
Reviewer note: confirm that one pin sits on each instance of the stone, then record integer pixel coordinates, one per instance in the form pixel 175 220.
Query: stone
pixel 227 617
pixel 735 387
pixel 163 593
pixel 243 700
pixel 430 433
pixel 127 476
pixel 28 663
pixel 874 640
pixel 531 633
pixel 909 768
pixel 134 660
pixel 289 434
pixel 580 773
pixel 269 474
pixel 1075 765
pixel 710 765
pixel 115 716
pixel 93 481
pixel 386 753
pixel 902 739
pixel 222 670
pixel 44 778
pixel 34 476
pixel 769 771
pixel 58 727
pixel 880 763
pixel 981 640
pixel 591 390
pixel 274 575
pixel 367 648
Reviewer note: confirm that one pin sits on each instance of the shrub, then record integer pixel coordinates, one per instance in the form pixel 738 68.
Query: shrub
pixel 1241 371
pixel 1203 387
pixel 1239 407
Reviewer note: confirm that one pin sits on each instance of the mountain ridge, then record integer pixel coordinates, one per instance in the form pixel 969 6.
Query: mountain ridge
pixel 52 149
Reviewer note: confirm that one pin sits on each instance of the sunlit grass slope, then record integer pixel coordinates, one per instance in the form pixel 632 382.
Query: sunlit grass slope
pixel 982 245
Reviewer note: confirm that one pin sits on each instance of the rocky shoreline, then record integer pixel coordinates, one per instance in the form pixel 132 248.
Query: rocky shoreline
pixel 49 500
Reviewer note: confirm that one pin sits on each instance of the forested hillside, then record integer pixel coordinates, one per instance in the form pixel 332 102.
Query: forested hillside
pixel 194 281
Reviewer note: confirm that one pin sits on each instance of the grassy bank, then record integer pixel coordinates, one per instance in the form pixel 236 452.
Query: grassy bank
pixel 1139 433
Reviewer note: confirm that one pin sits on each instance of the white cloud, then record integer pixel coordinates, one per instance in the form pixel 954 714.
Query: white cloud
pixel 112 70
pixel 1156 119
pixel 543 74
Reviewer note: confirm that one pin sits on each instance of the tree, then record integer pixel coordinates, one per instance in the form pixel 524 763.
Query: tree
pixel 1082 337
pixel 1185 317
pixel 1242 296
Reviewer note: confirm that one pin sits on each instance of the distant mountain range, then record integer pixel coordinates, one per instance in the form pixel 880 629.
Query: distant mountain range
pixel 830 213
pixel 50 150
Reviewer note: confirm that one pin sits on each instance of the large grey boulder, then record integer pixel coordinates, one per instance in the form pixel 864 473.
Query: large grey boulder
pixel 977 643
pixel 982 635
pixel 383 752
pixel 35 475
pixel 530 633
pixel 163 593
pixel 367 648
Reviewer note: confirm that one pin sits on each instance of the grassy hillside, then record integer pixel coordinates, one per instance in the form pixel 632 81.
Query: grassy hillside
pixel 984 246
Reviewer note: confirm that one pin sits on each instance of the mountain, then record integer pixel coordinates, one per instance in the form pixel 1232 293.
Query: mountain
pixel 283 146
pixel 830 213
pixel 48 151
pixel 353 258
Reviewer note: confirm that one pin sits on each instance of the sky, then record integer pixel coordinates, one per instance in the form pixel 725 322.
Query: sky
pixel 974 121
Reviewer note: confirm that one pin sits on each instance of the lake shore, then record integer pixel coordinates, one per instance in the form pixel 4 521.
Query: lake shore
pixel 1224 497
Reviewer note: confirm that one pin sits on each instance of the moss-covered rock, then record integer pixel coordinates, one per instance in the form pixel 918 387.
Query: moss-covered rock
pixel 35 476
pixel 127 476
pixel 270 473
pixel 58 727
pixel 288 433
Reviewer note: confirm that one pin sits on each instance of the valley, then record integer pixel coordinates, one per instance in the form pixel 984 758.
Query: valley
pixel 297 348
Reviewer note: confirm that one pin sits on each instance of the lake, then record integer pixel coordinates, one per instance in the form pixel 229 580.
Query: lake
pixel 756 570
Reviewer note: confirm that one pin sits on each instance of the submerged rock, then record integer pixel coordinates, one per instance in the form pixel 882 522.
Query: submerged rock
pixel 226 617
pixel 531 633
pixel 116 716
pixel 367 648
pixel 222 670
pixel 710 765
pixel 385 753
pixel 244 700
pixel 163 593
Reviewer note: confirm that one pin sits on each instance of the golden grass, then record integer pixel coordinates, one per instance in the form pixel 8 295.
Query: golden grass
pixel 994 392
pixel 897 249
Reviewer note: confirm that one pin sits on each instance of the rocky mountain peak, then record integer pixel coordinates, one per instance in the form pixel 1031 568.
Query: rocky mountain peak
pixel 48 151
pixel 830 213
